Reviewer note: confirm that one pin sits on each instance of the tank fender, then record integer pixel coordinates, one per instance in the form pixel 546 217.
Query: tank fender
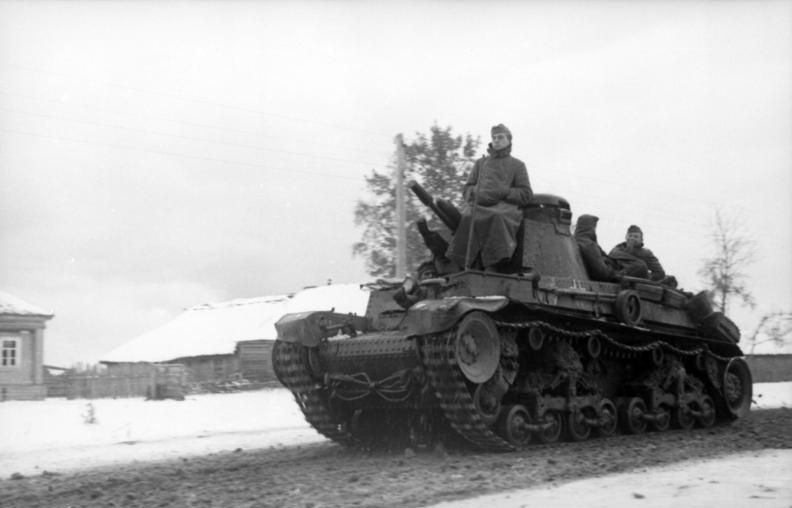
pixel 432 316
pixel 311 327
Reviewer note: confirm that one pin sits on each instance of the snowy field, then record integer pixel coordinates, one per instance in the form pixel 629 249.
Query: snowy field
pixel 55 436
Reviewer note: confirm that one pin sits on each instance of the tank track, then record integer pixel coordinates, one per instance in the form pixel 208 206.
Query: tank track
pixel 447 382
pixel 290 367
pixel 456 400
pixel 453 395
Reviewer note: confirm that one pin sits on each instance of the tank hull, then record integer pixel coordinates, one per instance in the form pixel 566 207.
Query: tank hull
pixel 531 361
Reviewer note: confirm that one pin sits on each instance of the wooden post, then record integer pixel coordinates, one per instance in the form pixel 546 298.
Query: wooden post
pixel 401 213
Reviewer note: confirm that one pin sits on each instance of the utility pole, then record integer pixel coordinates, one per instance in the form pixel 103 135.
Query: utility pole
pixel 401 214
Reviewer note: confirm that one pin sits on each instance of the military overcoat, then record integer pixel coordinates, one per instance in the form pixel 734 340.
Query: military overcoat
pixel 495 192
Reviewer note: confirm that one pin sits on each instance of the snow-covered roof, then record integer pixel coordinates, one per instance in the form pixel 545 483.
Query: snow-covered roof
pixel 10 304
pixel 215 328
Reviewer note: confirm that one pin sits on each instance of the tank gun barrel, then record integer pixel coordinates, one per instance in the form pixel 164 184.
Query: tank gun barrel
pixel 444 210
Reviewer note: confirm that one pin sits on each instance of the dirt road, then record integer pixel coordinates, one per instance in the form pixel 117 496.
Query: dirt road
pixel 324 475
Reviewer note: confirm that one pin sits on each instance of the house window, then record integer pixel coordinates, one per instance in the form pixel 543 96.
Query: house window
pixel 9 354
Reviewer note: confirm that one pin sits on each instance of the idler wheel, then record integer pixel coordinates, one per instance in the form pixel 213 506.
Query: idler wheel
pixel 707 417
pixel 576 427
pixel 628 307
pixel 477 347
pixel 610 418
pixel 631 416
pixel 512 425
pixel 737 388
pixel 662 420
pixel 553 432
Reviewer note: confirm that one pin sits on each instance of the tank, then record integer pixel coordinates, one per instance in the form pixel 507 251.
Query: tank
pixel 496 361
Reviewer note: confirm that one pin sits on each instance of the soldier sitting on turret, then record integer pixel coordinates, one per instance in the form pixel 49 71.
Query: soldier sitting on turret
pixel 635 259
pixel 495 192
pixel 598 265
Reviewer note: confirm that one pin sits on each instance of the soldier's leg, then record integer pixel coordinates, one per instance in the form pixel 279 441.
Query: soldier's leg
pixel 636 268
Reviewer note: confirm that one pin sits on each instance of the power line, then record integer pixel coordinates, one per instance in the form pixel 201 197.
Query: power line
pixel 150 116
pixel 197 100
pixel 633 187
pixel 190 138
pixel 176 154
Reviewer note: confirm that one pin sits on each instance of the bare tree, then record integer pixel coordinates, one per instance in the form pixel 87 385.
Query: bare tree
pixel 724 272
pixel 775 327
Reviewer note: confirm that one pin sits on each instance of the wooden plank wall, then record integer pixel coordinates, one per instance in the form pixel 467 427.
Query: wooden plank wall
pixel 770 368
pixel 255 360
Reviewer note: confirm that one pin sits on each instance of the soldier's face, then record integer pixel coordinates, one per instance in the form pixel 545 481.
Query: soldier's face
pixel 634 239
pixel 499 140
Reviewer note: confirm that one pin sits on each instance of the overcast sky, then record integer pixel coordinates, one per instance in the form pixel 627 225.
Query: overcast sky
pixel 156 155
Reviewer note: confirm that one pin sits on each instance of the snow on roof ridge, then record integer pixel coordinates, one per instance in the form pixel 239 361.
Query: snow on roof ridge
pixel 219 326
pixel 236 302
pixel 269 298
pixel 10 304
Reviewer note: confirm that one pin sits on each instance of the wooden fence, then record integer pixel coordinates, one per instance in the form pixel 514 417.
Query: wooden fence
pixel 158 381
pixel 770 368
pixel 98 387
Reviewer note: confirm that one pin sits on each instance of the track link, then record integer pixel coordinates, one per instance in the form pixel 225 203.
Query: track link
pixel 453 394
pixel 290 364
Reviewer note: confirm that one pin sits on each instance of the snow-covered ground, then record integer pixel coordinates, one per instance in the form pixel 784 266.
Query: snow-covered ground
pixel 54 435
pixel 755 480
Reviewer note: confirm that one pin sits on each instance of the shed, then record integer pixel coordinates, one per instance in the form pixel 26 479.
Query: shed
pixel 203 338
pixel 21 349
pixel 221 340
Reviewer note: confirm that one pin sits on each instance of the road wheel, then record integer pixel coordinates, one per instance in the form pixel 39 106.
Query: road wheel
pixel 512 425
pixel 663 421
pixel 681 418
pixel 576 428
pixel 631 417
pixel 553 433
pixel 611 417
pixel 707 418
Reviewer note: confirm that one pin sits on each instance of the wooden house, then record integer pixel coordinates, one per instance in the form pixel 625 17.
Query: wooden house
pixel 21 349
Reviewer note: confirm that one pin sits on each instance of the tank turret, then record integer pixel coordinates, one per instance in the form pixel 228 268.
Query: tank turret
pixel 548 245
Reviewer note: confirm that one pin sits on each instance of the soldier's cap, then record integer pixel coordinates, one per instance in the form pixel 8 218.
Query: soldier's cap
pixel 501 128
pixel 634 229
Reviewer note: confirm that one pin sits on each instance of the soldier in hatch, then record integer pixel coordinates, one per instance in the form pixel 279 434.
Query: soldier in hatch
pixel 495 192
